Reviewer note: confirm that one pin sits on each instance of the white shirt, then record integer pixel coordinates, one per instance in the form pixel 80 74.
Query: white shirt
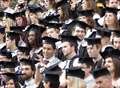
pixel 30 83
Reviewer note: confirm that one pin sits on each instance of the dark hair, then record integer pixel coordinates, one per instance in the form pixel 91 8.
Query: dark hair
pixel 54 84
pixel 116 63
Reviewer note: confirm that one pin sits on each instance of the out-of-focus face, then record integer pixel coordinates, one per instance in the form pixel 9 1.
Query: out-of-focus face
pixel 105 41
pixel 10 84
pixel 79 32
pixel 109 64
pixel 109 19
pixel 52 33
pixel 19 21
pixel 92 51
pixel 9 43
pixel 113 3
pixel 4 4
pixel 103 82
pixel 67 48
pixel 116 42
pixel 48 51
pixel 86 4
pixel 31 37
pixel 27 72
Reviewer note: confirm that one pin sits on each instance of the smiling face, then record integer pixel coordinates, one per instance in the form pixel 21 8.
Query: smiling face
pixel 109 64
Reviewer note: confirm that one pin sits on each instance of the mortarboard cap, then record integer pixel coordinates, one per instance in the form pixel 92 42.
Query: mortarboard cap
pixel 109 10
pixel 19 14
pixel 93 38
pixel 12 34
pixel 23 48
pixel 76 72
pixel 87 60
pixel 69 38
pixel 8 64
pixel 28 61
pixel 6 53
pixel 49 40
pixel 74 23
pixel 60 3
pixel 86 13
pixel 109 51
pixel 52 73
pixel 11 75
pixel 116 33
pixel 34 27
pixel 100 72
pixel 2 29
pixel 17 29
pixel 34 8
pixel 103 32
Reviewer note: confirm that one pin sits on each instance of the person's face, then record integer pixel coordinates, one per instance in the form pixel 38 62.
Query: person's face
pixel 52 33
pixel 67 49
pixel 103 82
pixel 113 3
pixel 92 50
pixel 86 4
pixel 116 42
pixel 109 19
pixel 10 84
pixel 27 72
pixel 19 21
pixel 48 51
pixel 79 32
pixel 31 37
pixel 5 4
pixel 109 64
pixel 1 36
pixel 9 42
pixel 86 69
pixel 105 41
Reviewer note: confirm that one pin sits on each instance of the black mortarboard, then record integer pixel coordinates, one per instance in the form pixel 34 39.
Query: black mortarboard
pixel 54 25
pixel 103 32
pixel 116 33
pixel 6 53
pixel 17 29
pixel 109 51
pixel 69 38
pixel 76 72
pixel 35 28
pixel 100 72
pixel 60 3
pixel 2 29
pixel 19 14
pixel 52 73
pixel 34 8
pixel 9 15
pixel 86 13
pixel 87 60
pixel 28 61
pixel 93 38
pixel 23 48
pixel 12 34
pixel 72 24
pixel 8 64
pixel 110 10
pixel 1 14
pixel 49 40
pixel 11 75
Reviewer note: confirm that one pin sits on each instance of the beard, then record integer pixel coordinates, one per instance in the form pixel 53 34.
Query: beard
pixel 26 77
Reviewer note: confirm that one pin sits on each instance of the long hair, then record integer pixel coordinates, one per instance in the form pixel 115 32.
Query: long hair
pixel 116 63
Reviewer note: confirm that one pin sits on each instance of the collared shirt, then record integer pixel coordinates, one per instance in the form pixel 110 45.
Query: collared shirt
pixel 30 84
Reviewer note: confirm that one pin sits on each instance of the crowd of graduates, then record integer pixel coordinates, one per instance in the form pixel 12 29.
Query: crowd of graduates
pixel 60 44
